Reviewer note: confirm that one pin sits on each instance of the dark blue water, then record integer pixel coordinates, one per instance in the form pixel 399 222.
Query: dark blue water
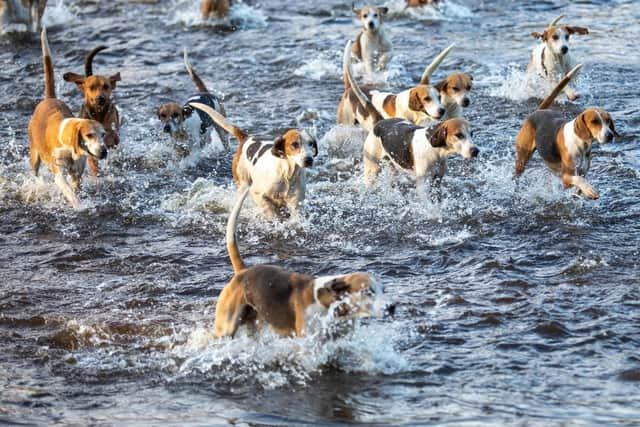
pixel 517 304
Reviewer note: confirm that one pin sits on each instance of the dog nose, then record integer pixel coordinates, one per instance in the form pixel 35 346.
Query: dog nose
pixel 372 25
pixel 101 100
pixel 103 153
pixel 167 128
pixel 308 161
pixel 475 152
pixel 564 50
pixel 466 102
pixel 441 111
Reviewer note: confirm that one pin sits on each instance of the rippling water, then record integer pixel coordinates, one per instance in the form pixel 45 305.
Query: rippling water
pixel 517 304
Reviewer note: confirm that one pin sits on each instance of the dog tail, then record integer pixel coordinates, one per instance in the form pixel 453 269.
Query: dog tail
pixel 555 21
pixel 88 61
pixel 239 134
pixel 232 247
pixel 196 79
pixel 546 103
pixel 426 75
pixel 348 75
pixel 49 83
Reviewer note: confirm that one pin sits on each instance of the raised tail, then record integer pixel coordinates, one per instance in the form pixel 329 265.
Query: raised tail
pixel 196 79
pixel 49 83
pixel 88 61
pixel 555 21
pixel 239 134
pixel 546 103
pixel 426 75
pixel 348 75
pixel 232 247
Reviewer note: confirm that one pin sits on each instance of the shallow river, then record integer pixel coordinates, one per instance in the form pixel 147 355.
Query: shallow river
pixel 517 304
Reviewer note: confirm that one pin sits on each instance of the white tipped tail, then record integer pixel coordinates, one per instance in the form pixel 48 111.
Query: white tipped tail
pixel 232 247
pixel 196 79
pixel 221 121
pixel 426 75
pixel 47 61
pixel 555 21
pixel 546 103
pixel 348 74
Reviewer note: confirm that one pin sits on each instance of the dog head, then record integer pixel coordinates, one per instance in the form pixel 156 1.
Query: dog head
pixel 97 89
pixel 425 98
pixel 172 117
pixel 595 124
pixel 370 17
pixel 557 37
pixel 84 137
pixel 456 87
pixel 455 136
pixel 353 295
pixel 296 145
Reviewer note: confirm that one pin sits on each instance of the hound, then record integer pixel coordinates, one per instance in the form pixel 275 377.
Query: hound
pixel 454 93
pixel 180 122
pixel 564 146
pixel 27 12
pixel 59 140
pixel 215 8
pixel 98 104
pixel 372 45
pixel 283 299
pixel 420 104
pixel 552 59
pixel 416 150
pixel 275 170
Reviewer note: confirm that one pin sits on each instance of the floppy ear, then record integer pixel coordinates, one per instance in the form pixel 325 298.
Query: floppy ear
pixel 332 292
pixel 469 76
pixel 71 137
pixel 383 10
pixel 414 101
pixel 537 35
pixel 577 30
pixel 74 78
pixel 353 8
pixel 441 86
pixel 581 129
pixel 278 148
pixel 439 137
pixel 113 79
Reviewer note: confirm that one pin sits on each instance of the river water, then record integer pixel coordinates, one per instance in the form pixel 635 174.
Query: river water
pixel 517 304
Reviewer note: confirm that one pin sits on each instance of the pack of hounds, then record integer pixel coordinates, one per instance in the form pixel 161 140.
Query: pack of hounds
pixel 414 131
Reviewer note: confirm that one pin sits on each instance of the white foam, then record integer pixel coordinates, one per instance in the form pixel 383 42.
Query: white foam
pixel 319 68
pixel 57 14
pixel 445 10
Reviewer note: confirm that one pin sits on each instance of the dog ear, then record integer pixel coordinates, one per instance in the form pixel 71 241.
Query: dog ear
pixel 383 10
pixel 469 76
pixel 74 78
pixel 439 137
pixel 537 35
pixel 414 101
pixel 353 8
pixel 314 144
pixel 581 129
pixel 113 79
pixel 441 86
pixel 71 136
pixel 577 30
pixel 278 148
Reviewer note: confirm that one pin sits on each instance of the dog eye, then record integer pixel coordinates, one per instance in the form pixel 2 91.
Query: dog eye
pixel 296 145
pixel 595 122
pixel 174 115
pixel 566 37
pixel 375 15
pixel 456 89
pixel 460 135
pixel 427 99
pixel 91 135
pixel 105 87
pixel 555 37
pixel 163 116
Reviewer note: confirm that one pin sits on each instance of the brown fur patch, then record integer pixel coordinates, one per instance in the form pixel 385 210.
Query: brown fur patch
pixel 389 105
pixel 215 8
pixel 419 98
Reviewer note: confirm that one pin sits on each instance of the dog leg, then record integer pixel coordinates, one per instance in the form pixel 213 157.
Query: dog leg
pixel 581 184
pixel 372 152
pixel 229 309
pixel 67 191
pixel 35 161
pixel 525 146
pixel 383 61
pixel 94 169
